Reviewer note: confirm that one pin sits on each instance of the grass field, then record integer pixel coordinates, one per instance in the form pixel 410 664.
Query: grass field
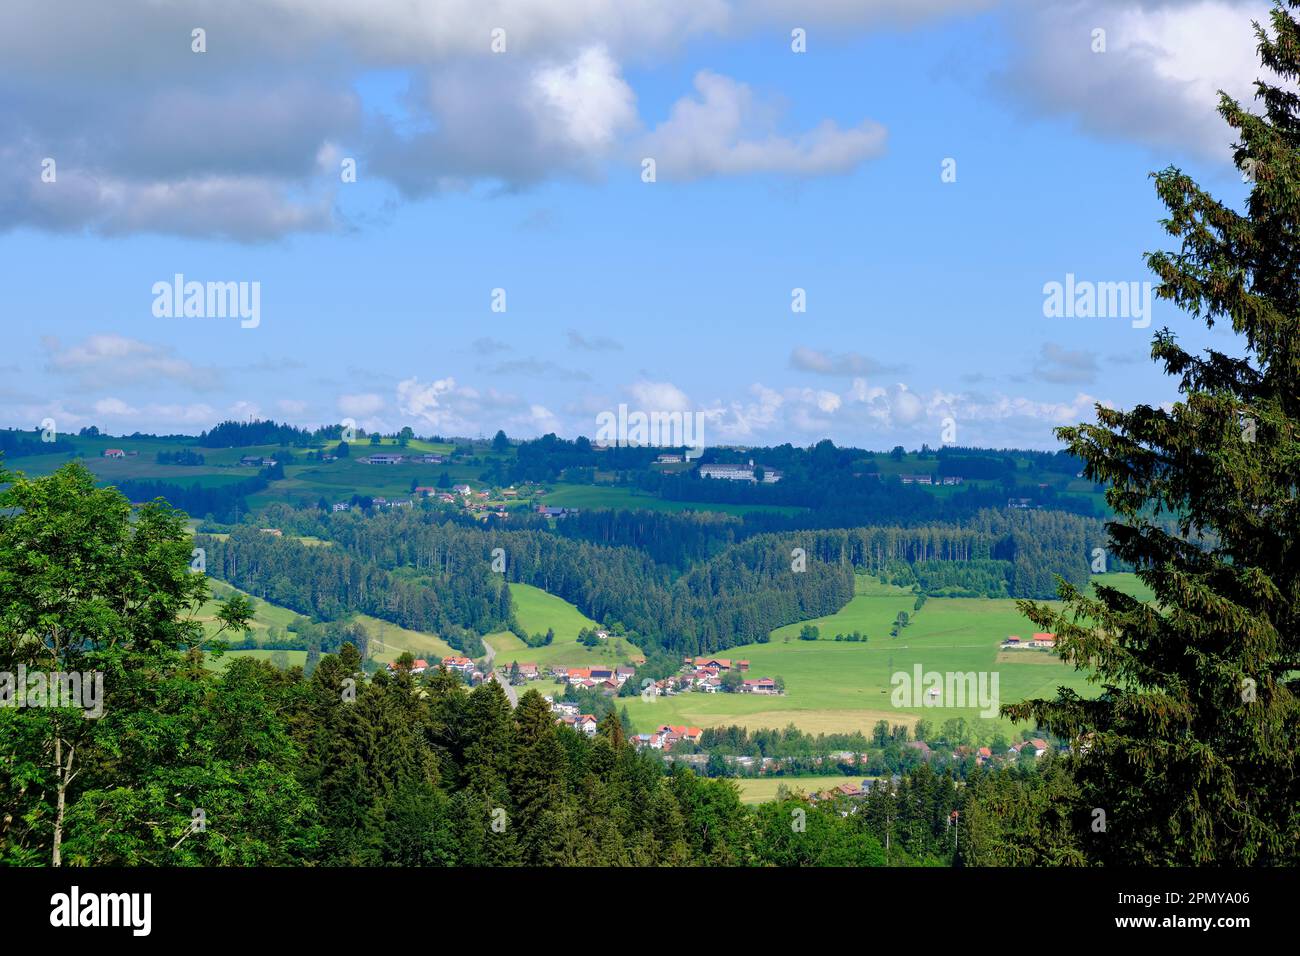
pixel 763 789
pixel 538 610
pixel 265 614
pixel 845 686
pixel 389 641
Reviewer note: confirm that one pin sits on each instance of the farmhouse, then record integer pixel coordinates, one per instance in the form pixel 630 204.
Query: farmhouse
pixel 341 506
pixel 463 490
pixel 1020 503
pixel 385 459
pixel 114 453
pixel 424 491
pixel 717 663
pixel 689 734
pixel 916 479
pixel 1043 640
pixel 738 473
pixel 418 666
pixel 528 671
pixel 462 664
pixel 763 685
pixel 669 459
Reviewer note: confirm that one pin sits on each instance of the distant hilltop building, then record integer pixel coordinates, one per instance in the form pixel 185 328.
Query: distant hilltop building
pixel 385 459
pixel 739 473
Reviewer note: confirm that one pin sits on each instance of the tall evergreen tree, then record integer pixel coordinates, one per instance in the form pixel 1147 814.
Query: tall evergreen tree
pixel 1190 751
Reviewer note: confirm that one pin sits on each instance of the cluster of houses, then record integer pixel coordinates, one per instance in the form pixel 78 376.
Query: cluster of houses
pixel 463 666
pixel 548 512
pixel 737 472
pixel 666 737
pixel 391 458
pixel 570 715
pixel 704 675
pixel 1042 639
pixel 931 479
pixel 475 502
pixel 598 677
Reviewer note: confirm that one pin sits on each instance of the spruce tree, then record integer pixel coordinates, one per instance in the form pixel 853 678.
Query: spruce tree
pixel 1190 750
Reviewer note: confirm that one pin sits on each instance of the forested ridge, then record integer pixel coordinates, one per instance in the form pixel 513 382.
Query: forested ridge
pixel 737 593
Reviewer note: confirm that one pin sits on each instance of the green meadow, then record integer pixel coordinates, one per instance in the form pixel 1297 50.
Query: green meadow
pixel 764 789
pixel 538 610
pixel 840 686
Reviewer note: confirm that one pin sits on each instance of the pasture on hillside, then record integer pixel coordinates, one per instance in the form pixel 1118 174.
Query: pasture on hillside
pixel 537 610
pixel 841 686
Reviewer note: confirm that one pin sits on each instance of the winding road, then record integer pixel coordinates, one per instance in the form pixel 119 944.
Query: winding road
pixel 511 694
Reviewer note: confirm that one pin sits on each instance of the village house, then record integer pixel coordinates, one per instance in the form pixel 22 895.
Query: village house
pixel 689 734
pixel 418 666
pixel 114 453
pixel 463 665
pixel 341 506
pixel 717 663
pixel 763 685
pixel 920 746
pixel 384 459
pixel 669 459
pixel 739 473
pixel 424 491
pixel 1043 640
pixel 917 479
pixel 462 490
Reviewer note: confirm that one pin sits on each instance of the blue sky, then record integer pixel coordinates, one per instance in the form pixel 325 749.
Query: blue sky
pixel 522 171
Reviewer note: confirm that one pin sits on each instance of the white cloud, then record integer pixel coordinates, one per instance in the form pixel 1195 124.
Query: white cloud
pixel 725 131
pixel 588 98
pixel 366 403
pixel 659 397
pixel 100 361
pixel 849 364
pixel 1156 83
